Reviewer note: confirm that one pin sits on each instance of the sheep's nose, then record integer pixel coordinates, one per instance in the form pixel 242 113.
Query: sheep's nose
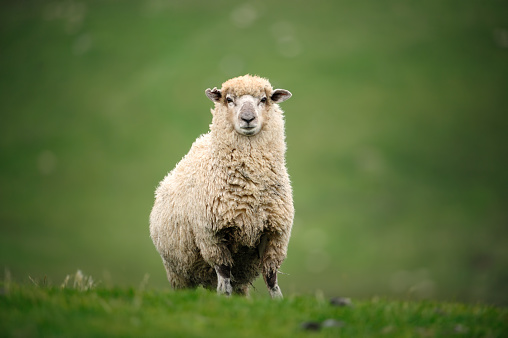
pixel 247 113
pixel 248 118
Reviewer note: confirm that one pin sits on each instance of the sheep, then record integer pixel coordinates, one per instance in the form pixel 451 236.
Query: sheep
pixel 224 214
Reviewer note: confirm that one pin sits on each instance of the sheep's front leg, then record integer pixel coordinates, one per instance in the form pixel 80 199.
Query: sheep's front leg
pixel 272 251
pixel 215 252
pixel 224 279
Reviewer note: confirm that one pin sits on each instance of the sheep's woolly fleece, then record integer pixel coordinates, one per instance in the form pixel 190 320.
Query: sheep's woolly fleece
pixel 247 85
pixel 228 201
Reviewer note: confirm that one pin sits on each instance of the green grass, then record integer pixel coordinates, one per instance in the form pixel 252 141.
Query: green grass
pixel 73 311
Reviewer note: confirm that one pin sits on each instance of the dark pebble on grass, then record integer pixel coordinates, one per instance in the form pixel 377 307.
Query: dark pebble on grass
pixel 341 301
pixel 311 326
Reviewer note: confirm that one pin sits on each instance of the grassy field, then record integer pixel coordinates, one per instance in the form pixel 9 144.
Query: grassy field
pixel 396 137
pixel 76 309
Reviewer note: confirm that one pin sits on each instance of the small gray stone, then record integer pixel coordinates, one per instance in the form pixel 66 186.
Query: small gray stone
pixel 341 301
pixel 439 311
pixel 332 323
pixel 459 328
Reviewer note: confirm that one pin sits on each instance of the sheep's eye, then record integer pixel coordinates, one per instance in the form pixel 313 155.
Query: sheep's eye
pixel 229 100
pixel 263 100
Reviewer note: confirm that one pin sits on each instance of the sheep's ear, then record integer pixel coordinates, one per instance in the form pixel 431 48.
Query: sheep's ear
pixel 213 94
pixel 280 95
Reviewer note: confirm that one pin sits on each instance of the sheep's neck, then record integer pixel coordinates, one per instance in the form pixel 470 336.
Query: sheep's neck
pixel 243 151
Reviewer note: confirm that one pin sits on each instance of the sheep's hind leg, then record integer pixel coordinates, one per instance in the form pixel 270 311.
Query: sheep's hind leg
pixel 271 282
pixel 176 280
pixel 223 279
pixel 241 290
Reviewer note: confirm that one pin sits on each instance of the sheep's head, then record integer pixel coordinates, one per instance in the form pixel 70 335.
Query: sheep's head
pixel 247 100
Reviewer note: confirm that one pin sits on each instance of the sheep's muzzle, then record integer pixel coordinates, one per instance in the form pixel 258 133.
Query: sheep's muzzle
pixel 248 121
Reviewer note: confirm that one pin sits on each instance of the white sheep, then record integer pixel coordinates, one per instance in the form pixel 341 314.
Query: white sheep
pixel 224 214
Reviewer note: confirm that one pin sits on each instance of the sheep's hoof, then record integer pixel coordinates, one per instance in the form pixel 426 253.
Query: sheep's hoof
pixel 224 287
pixel 275 292
pixel 224 280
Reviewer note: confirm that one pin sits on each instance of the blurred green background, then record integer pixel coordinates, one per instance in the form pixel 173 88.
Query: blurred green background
pixel 396 132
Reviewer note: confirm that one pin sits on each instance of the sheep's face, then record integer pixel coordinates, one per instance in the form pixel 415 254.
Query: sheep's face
pixel 247 113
